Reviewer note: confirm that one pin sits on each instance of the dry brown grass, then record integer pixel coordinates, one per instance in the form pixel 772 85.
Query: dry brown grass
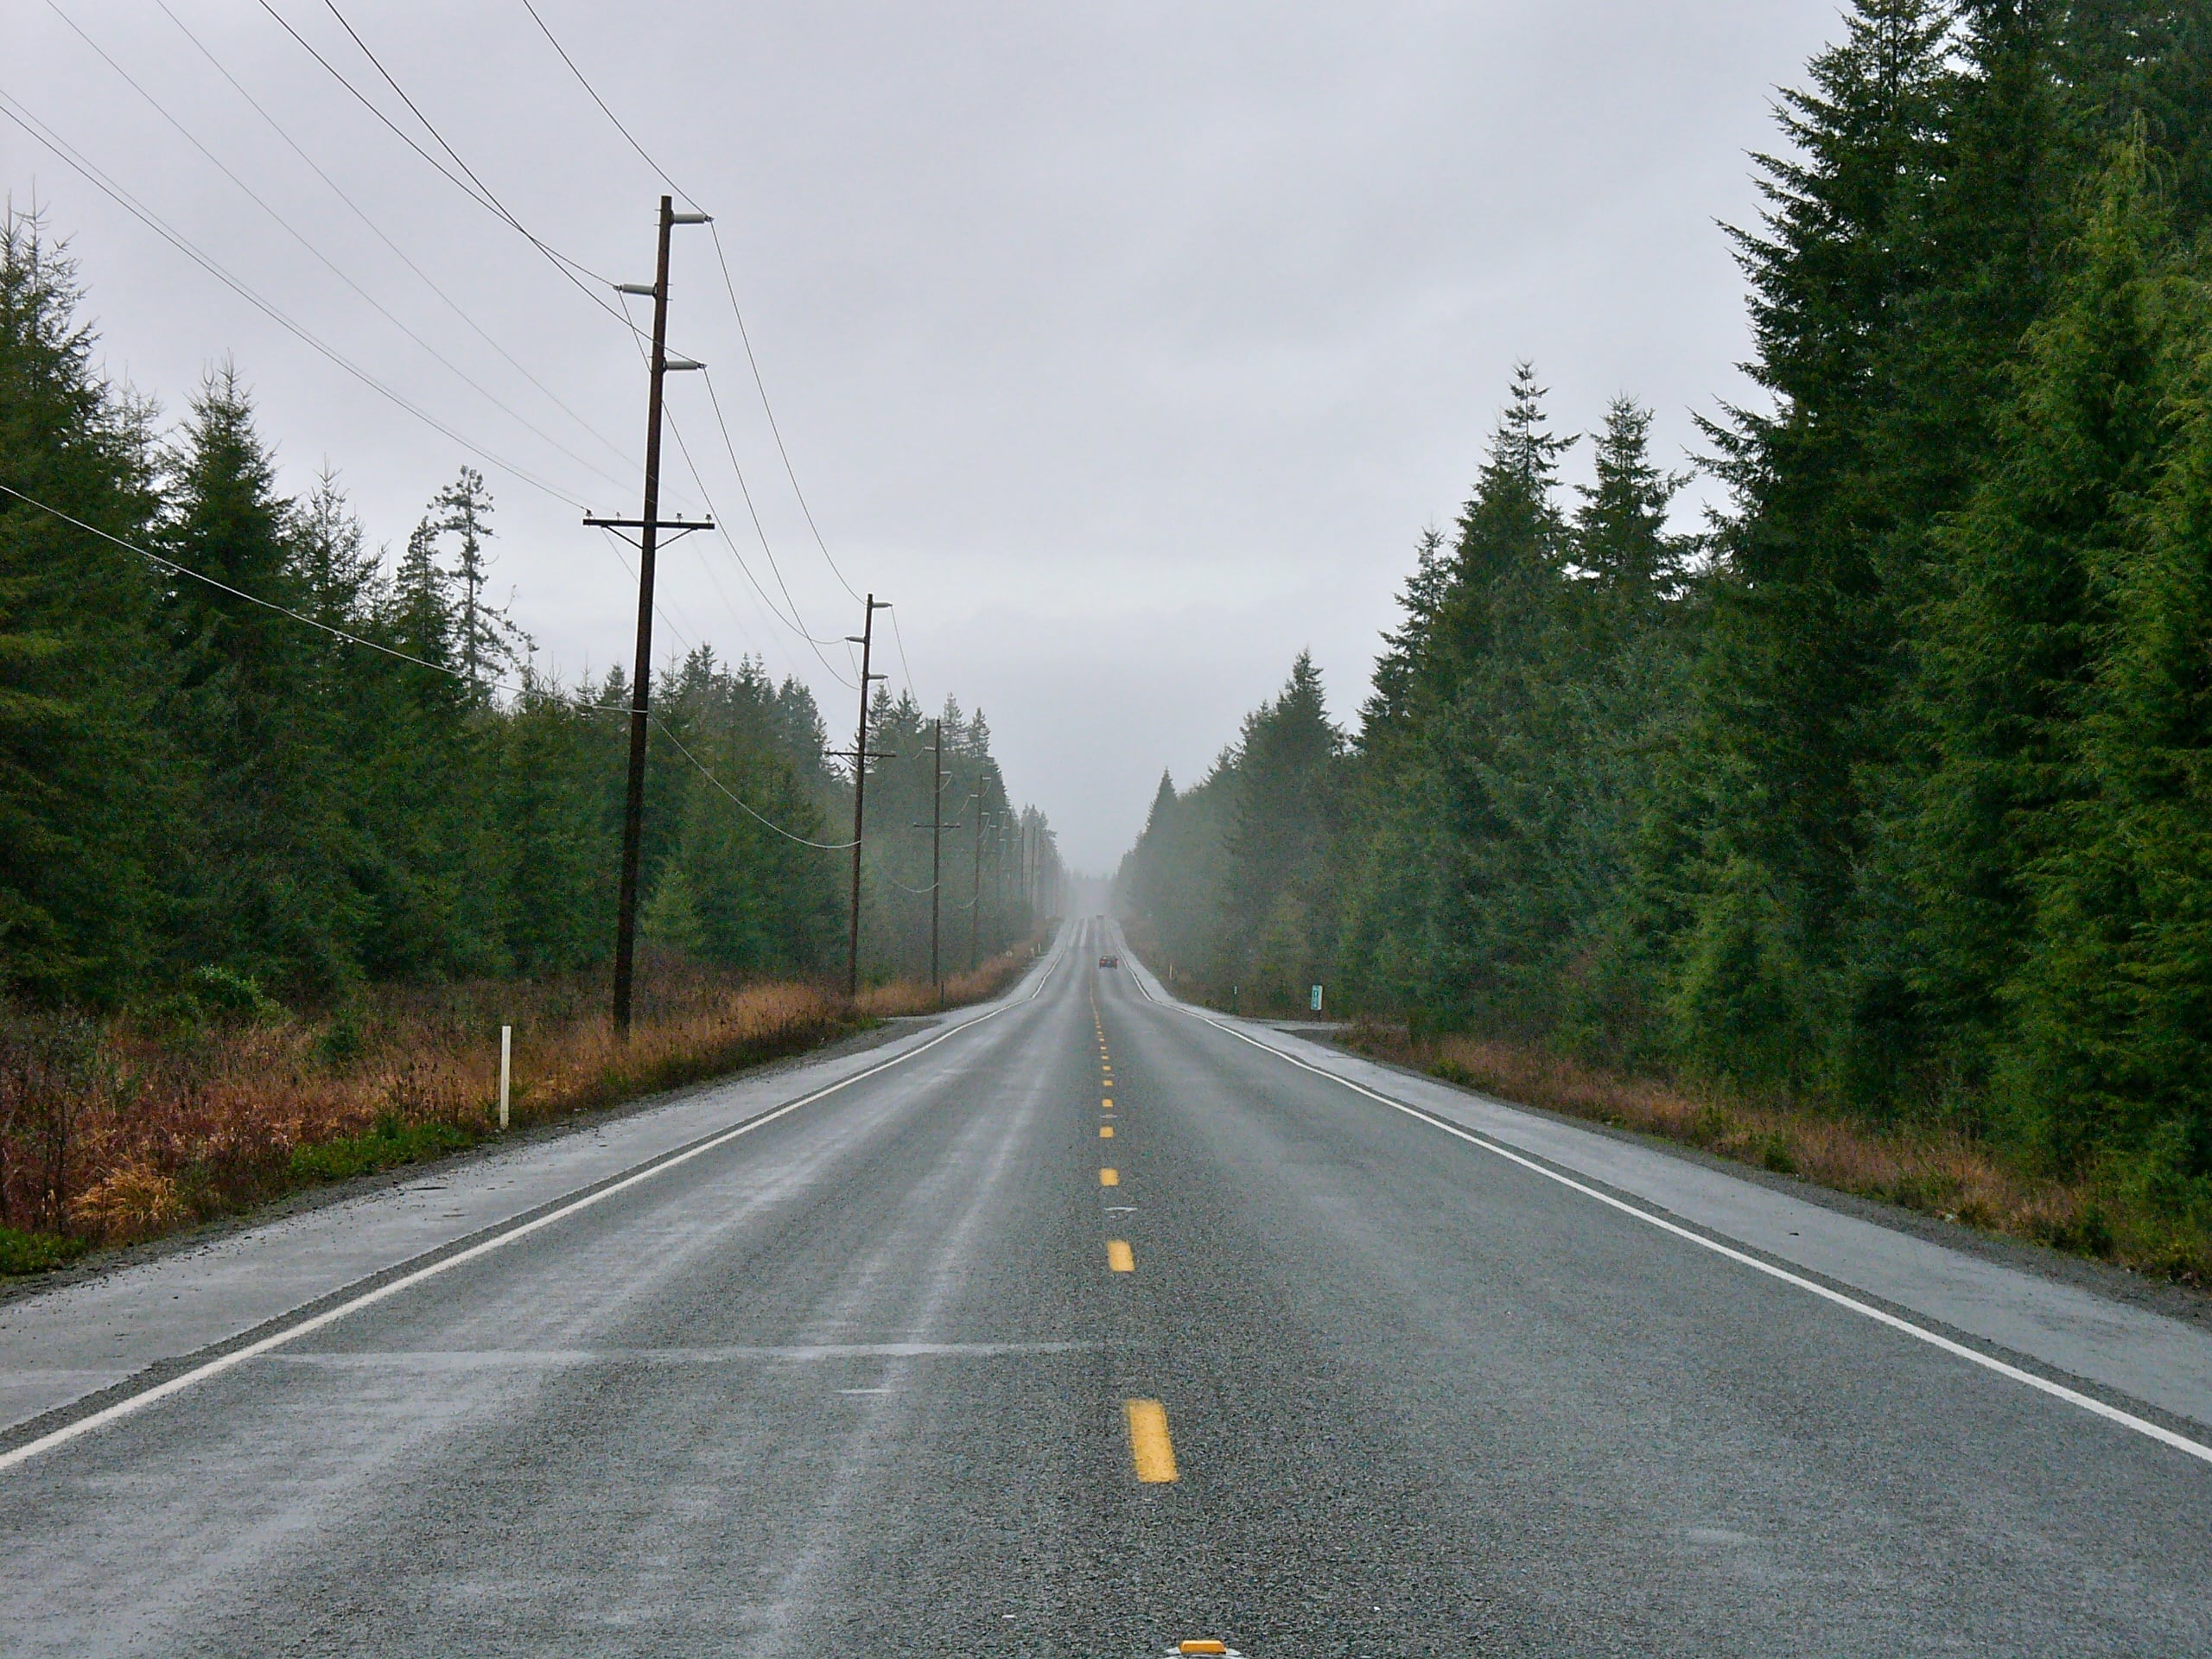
pixel 120 1133
pixel 1932 1170
pixel 910 996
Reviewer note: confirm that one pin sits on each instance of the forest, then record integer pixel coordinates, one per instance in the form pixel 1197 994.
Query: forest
pixel 290 825
pixel 1887 790
pixel 245 752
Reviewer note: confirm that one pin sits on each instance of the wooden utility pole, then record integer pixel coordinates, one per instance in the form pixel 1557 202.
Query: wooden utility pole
pixel 648 525
pixel 937 827
pixel 976 891
pixel 936 849
pixel 866 640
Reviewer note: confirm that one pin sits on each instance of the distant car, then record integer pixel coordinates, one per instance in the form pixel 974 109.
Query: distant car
pixel 1110 961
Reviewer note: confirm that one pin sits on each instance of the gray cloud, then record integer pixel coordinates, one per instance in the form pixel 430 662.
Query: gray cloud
pixel 1127 347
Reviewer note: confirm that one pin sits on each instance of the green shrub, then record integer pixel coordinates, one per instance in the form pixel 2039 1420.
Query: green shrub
pixel 388 1144
pixel 22 1252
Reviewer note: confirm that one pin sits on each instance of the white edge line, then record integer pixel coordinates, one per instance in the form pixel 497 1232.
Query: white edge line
pixel 2157 1432
pixel 221 1362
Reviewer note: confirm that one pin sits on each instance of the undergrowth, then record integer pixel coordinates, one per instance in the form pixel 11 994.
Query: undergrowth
pixel 207 1105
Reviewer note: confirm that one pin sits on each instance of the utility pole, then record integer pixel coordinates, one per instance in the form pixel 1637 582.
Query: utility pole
pixel 648 525
pixel 976 891
pixel 866 640
pixel 937 848
pixel 936 827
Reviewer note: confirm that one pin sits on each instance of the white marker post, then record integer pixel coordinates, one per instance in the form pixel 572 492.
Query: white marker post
pixel 507 1060
pixel 1317 999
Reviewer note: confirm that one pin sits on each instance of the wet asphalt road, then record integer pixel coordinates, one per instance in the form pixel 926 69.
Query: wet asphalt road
pixel 858 1382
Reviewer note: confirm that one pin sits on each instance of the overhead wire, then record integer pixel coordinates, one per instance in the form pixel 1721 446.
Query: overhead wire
pixel 161 561
pixel 628 137
pixel 760 530
pixel 327 263
pixel 900 639
pixel 484 190
pixel 564 264
pixel 774 427
pixel 822 846
pixel 100 181
pixel 475 188
pixel 398 252
pixel 730 285
pixel 798 628
pixel 683 450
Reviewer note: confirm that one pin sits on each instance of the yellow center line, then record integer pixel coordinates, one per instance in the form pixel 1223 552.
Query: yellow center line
pixel 1105 1131
pixel 1149 1446
pixel 1108 1105
pixel 1109 1178
pixel 1118 1256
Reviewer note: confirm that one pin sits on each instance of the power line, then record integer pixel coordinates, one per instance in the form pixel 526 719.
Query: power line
pixel 415 109
pixel 99 181
pixel 603 109
pixel 161 561
pixel 762 386
pixel 561 261
pixel 400 252
pixel 760 530
pixel 165 563
pixel 328 264
pixel 730 285
pixel 798 628
pixel 900 641
pixel 819 846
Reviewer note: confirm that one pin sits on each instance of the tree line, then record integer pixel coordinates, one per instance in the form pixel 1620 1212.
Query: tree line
pixel 243 752
pixel 1890 788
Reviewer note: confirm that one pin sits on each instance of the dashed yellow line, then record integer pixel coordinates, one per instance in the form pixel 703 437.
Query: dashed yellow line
pixel 1150 1448
pixel 1109 1178
pixel 1106 1105
pixel 1119 1257
pixel 1105 1131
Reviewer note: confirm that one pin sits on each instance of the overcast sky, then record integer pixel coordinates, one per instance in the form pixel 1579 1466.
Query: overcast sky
pixel 1127 348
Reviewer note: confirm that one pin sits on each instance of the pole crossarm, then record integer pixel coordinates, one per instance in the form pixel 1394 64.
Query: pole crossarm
pixel 675 529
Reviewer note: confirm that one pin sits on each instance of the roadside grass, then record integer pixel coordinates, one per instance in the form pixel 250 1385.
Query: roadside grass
pixel 118 1132
pixel 2103 1213
pixel 22 1252
pixel 912 996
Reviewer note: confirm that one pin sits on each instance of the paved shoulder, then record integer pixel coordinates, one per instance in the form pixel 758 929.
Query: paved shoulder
pixel 2160 1361
pixel 61 1347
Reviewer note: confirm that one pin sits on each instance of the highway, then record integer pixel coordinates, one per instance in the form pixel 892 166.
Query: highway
pixel 1086 1328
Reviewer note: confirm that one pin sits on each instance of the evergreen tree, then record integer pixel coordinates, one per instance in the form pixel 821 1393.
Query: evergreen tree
pixel 89 799
pixel 265 890
pixel 1275 896
pixel 2008 650
pixel 1800 661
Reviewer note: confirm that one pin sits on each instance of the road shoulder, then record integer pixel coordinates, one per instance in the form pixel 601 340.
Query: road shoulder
pixel 137 1314
pixel 2141 1353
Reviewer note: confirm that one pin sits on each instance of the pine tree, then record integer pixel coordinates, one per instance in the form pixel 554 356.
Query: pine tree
pixel 88 797
pixel 267 893
pixel 2008 651
pixel 1799 666
pixel 1282 827
pixel 464 507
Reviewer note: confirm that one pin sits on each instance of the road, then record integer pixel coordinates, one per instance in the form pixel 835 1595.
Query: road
pixel 897 1371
